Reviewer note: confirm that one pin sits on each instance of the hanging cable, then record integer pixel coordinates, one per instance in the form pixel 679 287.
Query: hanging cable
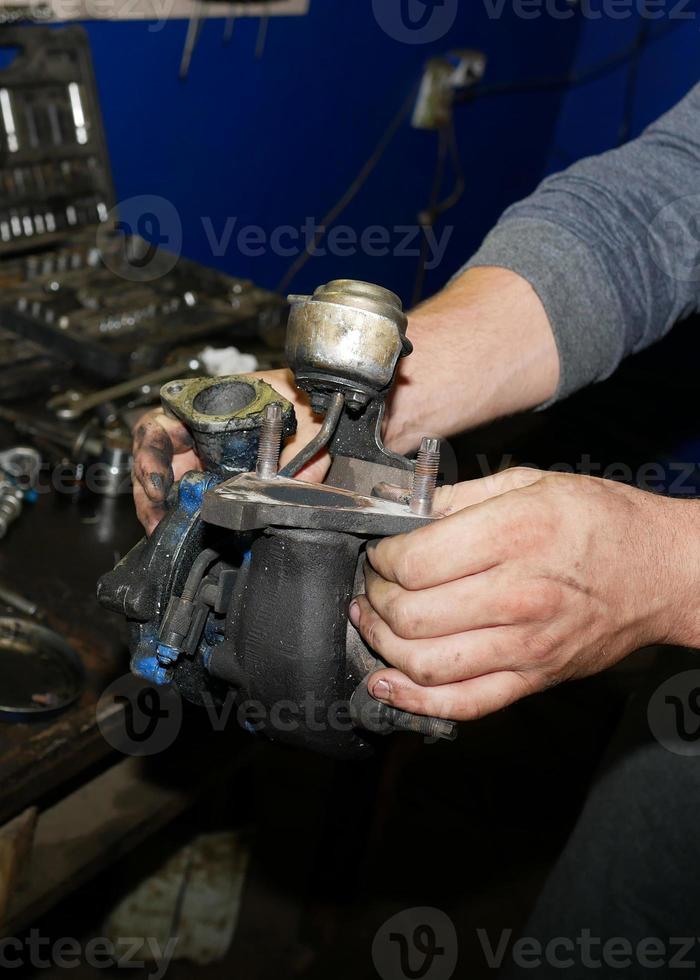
pixel 573 79
pixel 351 193
pixel 447 143
pixel 545 84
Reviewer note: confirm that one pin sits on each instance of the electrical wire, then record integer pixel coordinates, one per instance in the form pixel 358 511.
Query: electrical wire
pixel 573 79
pixel 447 143
pixel 351 192
pixel 632 53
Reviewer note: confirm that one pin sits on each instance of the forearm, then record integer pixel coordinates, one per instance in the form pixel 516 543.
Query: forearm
pixel 483 348
pixel 598 263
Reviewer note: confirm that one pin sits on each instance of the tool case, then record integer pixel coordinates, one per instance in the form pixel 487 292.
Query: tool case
pixel 74 282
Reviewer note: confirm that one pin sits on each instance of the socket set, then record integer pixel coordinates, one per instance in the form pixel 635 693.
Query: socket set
pixel 79 302
pixel 71 281
pixel 54 166
pixel 26 367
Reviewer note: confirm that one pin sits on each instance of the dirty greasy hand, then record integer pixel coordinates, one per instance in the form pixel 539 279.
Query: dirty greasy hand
pixel 529 579
pixel 163 450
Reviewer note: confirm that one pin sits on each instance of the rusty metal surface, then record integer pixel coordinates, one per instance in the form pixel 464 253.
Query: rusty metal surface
pixel 54 554
pixel 246 502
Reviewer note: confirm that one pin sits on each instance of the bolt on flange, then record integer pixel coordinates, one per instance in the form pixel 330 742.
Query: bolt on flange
pixel 270 442
pixel 425 477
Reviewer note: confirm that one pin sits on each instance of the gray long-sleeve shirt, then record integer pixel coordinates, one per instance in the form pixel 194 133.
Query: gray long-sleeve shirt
pixel 612 246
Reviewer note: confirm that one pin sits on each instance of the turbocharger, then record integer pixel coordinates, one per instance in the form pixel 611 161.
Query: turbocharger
pixel 244 587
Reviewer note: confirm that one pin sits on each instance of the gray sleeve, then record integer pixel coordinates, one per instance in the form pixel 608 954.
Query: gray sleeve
pixel 612 246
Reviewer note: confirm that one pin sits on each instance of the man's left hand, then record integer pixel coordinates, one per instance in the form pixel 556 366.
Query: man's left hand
pixel 528 579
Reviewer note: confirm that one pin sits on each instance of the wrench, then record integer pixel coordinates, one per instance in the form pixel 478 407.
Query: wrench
pixel 71 405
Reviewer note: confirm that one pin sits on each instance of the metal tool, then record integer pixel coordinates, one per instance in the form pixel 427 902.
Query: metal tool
pixel 18 471
pixel 40 672
pixel 194 27
pixel 262 36
pixel 14 600
pixel 243 589
pixel 71 405
pixel 108 446
pixel 229 25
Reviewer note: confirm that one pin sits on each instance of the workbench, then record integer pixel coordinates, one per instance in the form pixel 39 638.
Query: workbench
pixel 92 803
pixel 53 554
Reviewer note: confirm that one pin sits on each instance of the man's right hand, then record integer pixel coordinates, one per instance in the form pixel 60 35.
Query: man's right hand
pixel 164 451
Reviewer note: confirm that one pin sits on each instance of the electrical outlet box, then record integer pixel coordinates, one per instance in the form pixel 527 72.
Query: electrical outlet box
pixel 443 78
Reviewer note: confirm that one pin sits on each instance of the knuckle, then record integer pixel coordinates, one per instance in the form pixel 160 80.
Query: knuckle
pixel 373 636
pixel 418 668
pixel 409 566
pixel 402 617
pixel 535 602
pixel 527 530
pixel 469 709
pixel 370 630
pixel 549 599
pixel 539 647
pixel 519 476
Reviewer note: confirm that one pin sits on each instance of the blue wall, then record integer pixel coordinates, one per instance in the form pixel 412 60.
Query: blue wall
pixel 667 67
pixel 273 141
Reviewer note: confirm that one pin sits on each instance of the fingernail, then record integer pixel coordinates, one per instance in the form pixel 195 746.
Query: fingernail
pixel 354 613
pixel 381 691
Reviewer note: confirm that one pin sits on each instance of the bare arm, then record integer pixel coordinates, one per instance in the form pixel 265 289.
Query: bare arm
pixel 483 348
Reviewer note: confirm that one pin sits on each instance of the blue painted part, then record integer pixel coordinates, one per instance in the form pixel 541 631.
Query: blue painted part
pixel 28 495
pixel 151 670
pixel 166 654
pixel 191 491
pixel 144 661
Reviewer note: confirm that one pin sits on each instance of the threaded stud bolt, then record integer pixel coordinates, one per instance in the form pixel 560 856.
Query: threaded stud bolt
pixel 425 477
pixel 270 442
